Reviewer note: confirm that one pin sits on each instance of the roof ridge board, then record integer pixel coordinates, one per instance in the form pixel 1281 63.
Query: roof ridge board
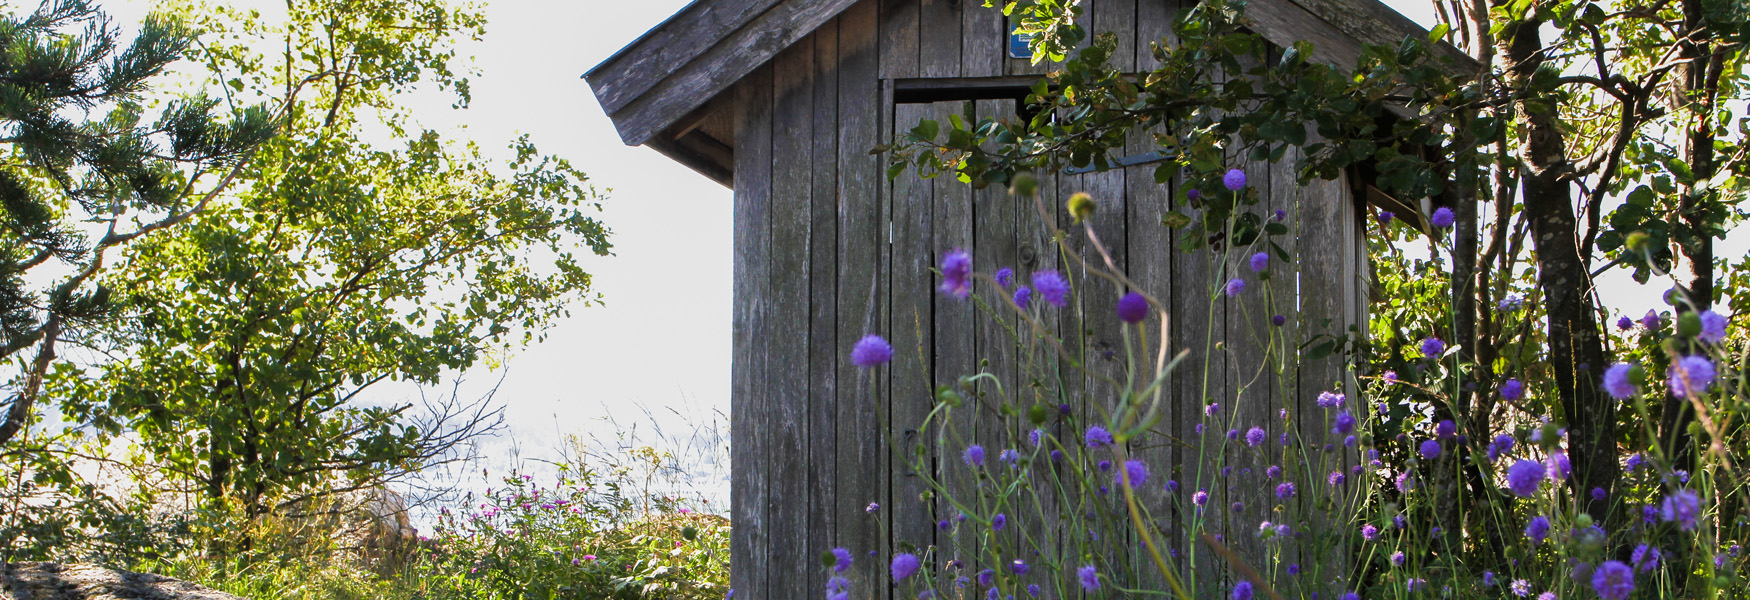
pixel 1373 22
pixel 681 38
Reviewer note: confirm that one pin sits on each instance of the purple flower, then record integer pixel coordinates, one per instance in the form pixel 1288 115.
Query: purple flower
pixel 1233 434
pixel 1559 467
pixel 1489 578
pixel 1613 580
pixel 1389 377
pixel 1524 477
pixel 1136 471
pixel 1430 449
pixel 904 566
pixel 1242 591
pixel 974 456
pixel 1616 381
pixel 871 351
pixel 1398 559
pixel 1352 595
pixel 1598 494
pixel 838 588
pixel 1442 218
pixel 1336 478
pixel 1279 320
pixel 1033 590
pixel 1052 287
pixel 1645 558
pixel 1625 323
pixel 1511 303
pixel 841 560
pixel 1501 446
pixel 1237 508
pixel 1010 456
pixel 1210 409
pixel 1651 320
pixel 1682 507
pixel 1432 347
pixel 1090 577
pixel 1260 261
pixel 1280 215
pixel 1691 376
pixel 1446 429
pixel 1713 327
pixel 1235 286
pixel 986 577
pixel 1331 400
pixel 1201 498
pixel 1293 569
pixel 1235 179
pixel 1023 297
pixel 1105 465
pixel 1005 277
pixel 1285 490
pixel 1634 462
pixel 1273 472
pixel 1343 423
pixel 873 506
pixel 1097 436
pixel 1254 436
pixel 1521 588
pixel 1193 194
pixel 1019 567
pixel 1171 486
pixel 1406 481
pixel 1385 218
pixel 998 522
pixel 1132 308
pixel 1537 529
pixel 1369 532
pixel 1512 390
pixel 957 273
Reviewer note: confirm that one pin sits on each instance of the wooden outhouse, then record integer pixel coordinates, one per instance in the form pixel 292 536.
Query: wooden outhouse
pixel 783 100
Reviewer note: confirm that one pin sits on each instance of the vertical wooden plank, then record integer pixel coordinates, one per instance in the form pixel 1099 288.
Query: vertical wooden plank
pixel 955 351
pixel 899 38
pixel 1154 24
pixel 914 374
pixel 995 246
pixel 1200 317
pixel 1119 17
pixel 748 416
pixel 787 467
pixel 1305 422
pixel 823 341
pixel 1249 381
pixel 1038 363
pixel 1151 259
pixel 1323 279
pixel 939 37
pixel 983 41
pixel 862 454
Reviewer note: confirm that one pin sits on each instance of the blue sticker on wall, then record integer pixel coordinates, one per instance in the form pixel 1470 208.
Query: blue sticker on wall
pixel 1020 44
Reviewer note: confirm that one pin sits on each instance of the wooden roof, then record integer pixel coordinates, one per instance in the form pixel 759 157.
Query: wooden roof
pixel 668 78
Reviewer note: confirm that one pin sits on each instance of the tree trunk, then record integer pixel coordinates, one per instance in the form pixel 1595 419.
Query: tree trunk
pixel 1576 345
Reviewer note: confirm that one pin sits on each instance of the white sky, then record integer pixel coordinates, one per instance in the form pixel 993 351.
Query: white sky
pixel 663 338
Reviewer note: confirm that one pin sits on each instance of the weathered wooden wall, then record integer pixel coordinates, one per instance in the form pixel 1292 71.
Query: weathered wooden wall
pixel 827 250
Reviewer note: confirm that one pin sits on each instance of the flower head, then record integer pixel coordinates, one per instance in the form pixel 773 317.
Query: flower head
pixel 1242 591
pixel 1682 507
pixel 1235 286
pixel 1336 478
pixel 1511 303
pixel 1279 320
pixel 1260 261
pixel 841 559
pixel 1559 466
pixel 998 522
pixel 1520 588
pixel 904 566
pixel 1651 320
pixel 1132 308
pixel 1713 327
pixel 957 273
pixel 1446 429
pixel 1430 449
pixel 1369 532
pixel 1537 529
pixel 1613 580
pixel 1201 498
pixel 1512 390
pixel 974 456
pixel 871 351
pixel 1005 277
pixel 1137 471
pixel 1019 567
pixel 1090 577
pixel 1524 477
pixel 1386 217
pixel 1331 400
pixel 1645 558
pixel 1501 445
pixel 1432 347
pixel 1052 287
pixel 1634 462
pixel 1442 218
pixel 1691 376
pixel 1398 559
pixel 1023 297
pixel 1235 179
pixel 1285 490
pixel 1097 436
pixel 1254 436
pixel 1624 323
pixel 1617 381
pixel 1343 423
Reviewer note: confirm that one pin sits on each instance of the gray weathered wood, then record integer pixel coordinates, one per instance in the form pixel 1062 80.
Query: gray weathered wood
pixel 994 247
pixel 824 353
pixel 1119 17
pixel 939 33
pixel 899 39
pixel 911 519
pixel 786 424
pixel 717 68
pixel 983 41
pixel 862 455
pixel 955 353
pixel 749 379
pixel 665 49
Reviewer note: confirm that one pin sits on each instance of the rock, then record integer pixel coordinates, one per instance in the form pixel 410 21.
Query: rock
pixel 56 581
